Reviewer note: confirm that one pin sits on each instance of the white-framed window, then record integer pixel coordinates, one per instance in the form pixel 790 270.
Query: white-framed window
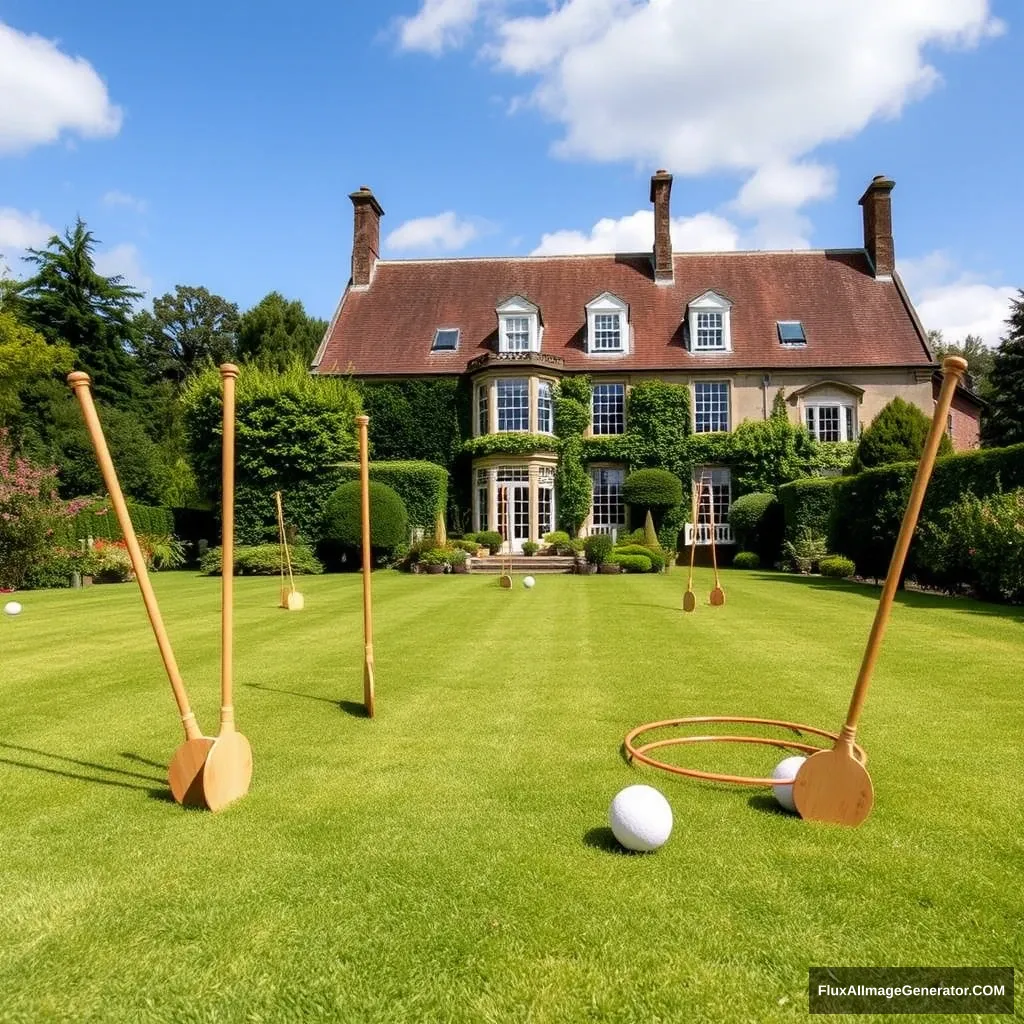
pixel 446 339
pixel 545 409
pixel 607 325
pixel 481 499
pixel 519 328
pixel 710 406
pixel 714 485
pixel 609 509
pixel 608 409
pixel 831 422
pixel 710 323
pixel 545 500
pixel 483 424
pixel 513 404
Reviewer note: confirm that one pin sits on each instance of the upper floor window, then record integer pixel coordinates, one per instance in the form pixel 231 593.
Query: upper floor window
pixel 513 404
pixel 831 422
pixel 791 332
pixel 545 423
pixel 709 323
pixel 483 424
pixel 710 407
pixel 519 326
pixel 446 339
pixel 607 325
pixel 608 409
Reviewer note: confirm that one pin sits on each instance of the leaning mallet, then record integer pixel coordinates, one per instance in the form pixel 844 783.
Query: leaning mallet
pixel 689 598
pixel 717 593
pixel 229 763
pixel 364 495
pixel 290 597
pixel 833 785
pixel 185 773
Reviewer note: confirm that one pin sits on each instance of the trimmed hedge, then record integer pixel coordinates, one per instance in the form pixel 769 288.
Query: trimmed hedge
pixel 757 521
pixel 389 523
pixel 100 522
pixel 262 560
pixel 657 559
pixel 631 563
pixel 746 560
pixel 837 566
pixel 657 488
pixel 807 504
pixel 422 486
pixel 598 548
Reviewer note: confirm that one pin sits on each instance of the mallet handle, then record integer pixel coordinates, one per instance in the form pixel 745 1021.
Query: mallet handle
pixel 693 535
pixel 80 385
pixel 228 373
pixel 953 368
pixel 364 496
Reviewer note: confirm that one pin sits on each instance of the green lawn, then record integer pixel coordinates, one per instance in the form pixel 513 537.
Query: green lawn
pixel 449 861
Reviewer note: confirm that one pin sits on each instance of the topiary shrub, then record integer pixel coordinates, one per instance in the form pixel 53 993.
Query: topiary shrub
pixel 896 434
pixel 657 558
pixel 631 563
pixel 598 548
pixel 837 566
pixel 746 560
pixel 652 488
pixel 559 541
pixel 342 520
pixel 757 520
pixel 490 539
pixel 530 548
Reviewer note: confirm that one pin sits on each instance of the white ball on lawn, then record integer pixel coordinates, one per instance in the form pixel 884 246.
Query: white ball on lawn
pixel 528 582
pixel 786 769
pixel 641 818
pixel 12 608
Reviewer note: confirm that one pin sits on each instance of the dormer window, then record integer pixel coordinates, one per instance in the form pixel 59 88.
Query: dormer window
pixel 791 333
pixel 607 325
pixel 446 339
pixel 709 323
pixel 519 326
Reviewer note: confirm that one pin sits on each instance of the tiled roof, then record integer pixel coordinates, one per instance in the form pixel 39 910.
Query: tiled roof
pixel 850 318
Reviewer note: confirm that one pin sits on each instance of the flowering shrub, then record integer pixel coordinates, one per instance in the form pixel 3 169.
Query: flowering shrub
pixel 29 513
pixel 109 562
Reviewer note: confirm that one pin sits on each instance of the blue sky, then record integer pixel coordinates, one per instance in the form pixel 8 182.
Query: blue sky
pixel 215 144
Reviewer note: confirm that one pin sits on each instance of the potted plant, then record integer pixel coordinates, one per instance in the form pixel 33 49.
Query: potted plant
pixel 598 549
pixel 434 561
pixel 530 548
pixel 457 560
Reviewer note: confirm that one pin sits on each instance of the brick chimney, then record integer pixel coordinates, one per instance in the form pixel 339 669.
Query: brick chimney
pixel 878 224
pixel 661 189
pixel 366 235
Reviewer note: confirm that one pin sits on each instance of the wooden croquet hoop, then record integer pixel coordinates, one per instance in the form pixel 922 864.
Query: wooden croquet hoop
pixel 639 752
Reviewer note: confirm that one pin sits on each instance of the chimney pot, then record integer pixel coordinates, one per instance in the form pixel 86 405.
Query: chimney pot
pixel 365 235
pixel 877 205
pixel 661 191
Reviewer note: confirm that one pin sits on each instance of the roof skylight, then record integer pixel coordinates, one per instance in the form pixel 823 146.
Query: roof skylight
pixel 791 332
pixel 446 339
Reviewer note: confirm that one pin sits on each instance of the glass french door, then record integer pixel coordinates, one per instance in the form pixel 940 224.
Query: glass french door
pixel 514 502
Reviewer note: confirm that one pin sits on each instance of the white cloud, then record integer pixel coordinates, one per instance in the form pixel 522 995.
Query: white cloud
pixel 444 232
pixel 117 198
pixel 44 93
pixel 706 85
pixel 954 301
pixel 18 232
pixel 704 232
pixel 438 25
pixel 124 260
pixel 785 185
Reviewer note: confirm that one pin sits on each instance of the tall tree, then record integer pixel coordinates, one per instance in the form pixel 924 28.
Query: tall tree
pixel 1004 423
pixel 276 332
pixel 68 301
pixel 25 356
pixel 185 333
pixel 978 355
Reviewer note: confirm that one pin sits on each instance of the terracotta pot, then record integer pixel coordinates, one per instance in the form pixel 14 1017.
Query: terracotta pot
pixel 435 570
pixel 609 569
pixel 460 567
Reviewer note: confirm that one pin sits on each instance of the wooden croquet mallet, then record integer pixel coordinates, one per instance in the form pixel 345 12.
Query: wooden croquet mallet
pixel 290 597
pixel 833 785
pixel 364 495
pixel 228 771
pixel 717 597
pixel 186 770
pixel 689 598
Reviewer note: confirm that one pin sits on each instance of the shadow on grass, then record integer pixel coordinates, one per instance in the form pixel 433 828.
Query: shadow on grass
pixel 769 805
pixel 148 790
pixel 353 708
pixel 82 764
pixel 603 839
pixel 142 760
pixel 909 598
pixel 293 693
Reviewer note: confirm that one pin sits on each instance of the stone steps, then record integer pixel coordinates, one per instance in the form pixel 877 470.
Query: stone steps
pixel 522 565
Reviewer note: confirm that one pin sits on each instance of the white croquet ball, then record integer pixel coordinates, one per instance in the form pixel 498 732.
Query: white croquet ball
pixel 786 769
pixel 12 608
pixel 528 582
pixel 641 818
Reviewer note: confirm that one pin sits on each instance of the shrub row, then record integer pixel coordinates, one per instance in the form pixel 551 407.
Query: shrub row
pixel 262 560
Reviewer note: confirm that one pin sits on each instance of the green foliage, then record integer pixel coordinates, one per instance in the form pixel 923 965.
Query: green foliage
pixel 53 569
pixel 613 448
pixel 837 566
pixel 530 548
pixel 422 486
pixel 435 556
pixel 658 416
pixel 185 333
pixel 1004 423
pixel 598 548
pixel 652 488
pixel 560 541
pixel 490 539
pixel 508 444
pixel 804 554
pixel 746 560
pixel 276 333
pixel 650 533
pixel 654 556
pixel 470 546
pixel 25 355
pixel 768 453
pixel 262 560
pixel 577 388
pixel 757 521
pixel 897 434
pixel 832 458
pixel 573 486
pixel 980 358
pixel 571 417
pixel 342 522
pixel 807 504
pixel 292 429
pixel 98 520
pixel 631 563
pixel 779 409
